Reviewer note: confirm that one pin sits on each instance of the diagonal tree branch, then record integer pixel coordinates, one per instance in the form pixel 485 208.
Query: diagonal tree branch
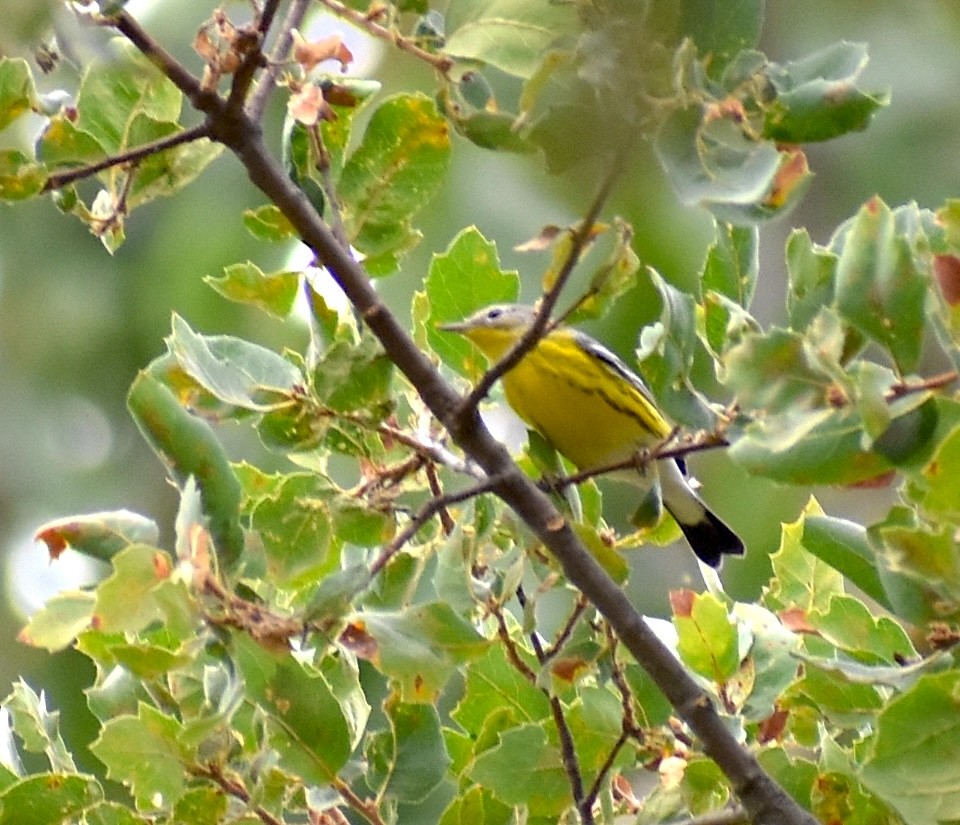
pixel 257 100
pixel 61 179
pixel 765 801
pixel 581 236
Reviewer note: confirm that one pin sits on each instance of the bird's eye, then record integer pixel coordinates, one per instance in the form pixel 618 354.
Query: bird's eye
pixel 493 314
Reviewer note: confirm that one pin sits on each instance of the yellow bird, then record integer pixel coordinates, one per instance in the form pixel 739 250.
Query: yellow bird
pixel 595 411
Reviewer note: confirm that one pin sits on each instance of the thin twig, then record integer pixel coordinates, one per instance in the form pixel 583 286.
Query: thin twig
pixel 233 787
pixel 729 816
pixel 598 780
pixel 568 752
pixel 427 512
pixel 541 324
pixel 257 101
pixel 567 629
pixel 934 382
pixel 60 179
pixel 513 654
pixel 161 58
pixel 253 57
pixel 329 188
pixel 628 726
pixel 368 810
pixel 361 20
pixel 446 520
pixel 696 444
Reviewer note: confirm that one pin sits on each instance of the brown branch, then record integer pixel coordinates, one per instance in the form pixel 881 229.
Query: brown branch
pixel 257 101
pixel 233 787
pixel 568 753
pixel 567 629
pixel 934 382
pixel 363 21
pixel 161 58
pixel 446 520
pixel 766 801
pixel 541 324
pixel 428 511
pixel 667 449
pixel 730 816
pixel 368 810
pixel 60 179
pixel 253 57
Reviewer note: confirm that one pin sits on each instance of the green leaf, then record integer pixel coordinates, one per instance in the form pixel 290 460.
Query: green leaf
pixel 201 806
pixel 20 177
pixel 188 447
pixel 234 370
pixel 292 514
pixel 666 352
pixel 845 547
pixel 940 496
pixel 144 752
pixel 596 722
pixel 800 580
pixel 721 28
pixel 418 760
pixel 306 724
pixel 493 130
pixel 461 280
pixel 347 97
pixel 353 376
pixel 811 270
pixel 849 702
pixel 48 799
pixel 98 535
pixel 818 447
pixel 733 263
pixel 59 621
pixel 913 763
pixel 512 35
pixel 919 566
pixel 396 170
pixel 716 164
pixel 17 92
pixel 880 288
pixel 848 625
pixel 125 601
pixel 268 223
pixel 707 639
pixel 817 98
pixel 113 94
pixel 113 813
pixel 37 727
pixel 493 685
pixel 273 292
pixel 301 162
pixel 64 144
pixel 615 275
pixel 542 784
pixel 422 646
pixel 771 656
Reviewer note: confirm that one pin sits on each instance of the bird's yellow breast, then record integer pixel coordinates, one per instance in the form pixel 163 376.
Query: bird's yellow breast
pixel 590 413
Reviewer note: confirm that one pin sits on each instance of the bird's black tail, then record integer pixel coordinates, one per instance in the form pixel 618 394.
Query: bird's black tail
pixel 711 539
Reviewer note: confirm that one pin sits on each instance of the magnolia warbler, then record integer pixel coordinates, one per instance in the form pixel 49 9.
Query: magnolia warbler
pixel 595 411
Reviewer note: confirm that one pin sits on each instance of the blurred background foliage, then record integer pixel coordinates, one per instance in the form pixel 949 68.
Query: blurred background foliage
pixel 76 324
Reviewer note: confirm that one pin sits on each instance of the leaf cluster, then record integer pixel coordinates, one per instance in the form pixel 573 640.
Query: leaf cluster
pixel 370 632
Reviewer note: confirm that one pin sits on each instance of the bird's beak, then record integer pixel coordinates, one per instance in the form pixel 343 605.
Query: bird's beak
pixel 454 326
